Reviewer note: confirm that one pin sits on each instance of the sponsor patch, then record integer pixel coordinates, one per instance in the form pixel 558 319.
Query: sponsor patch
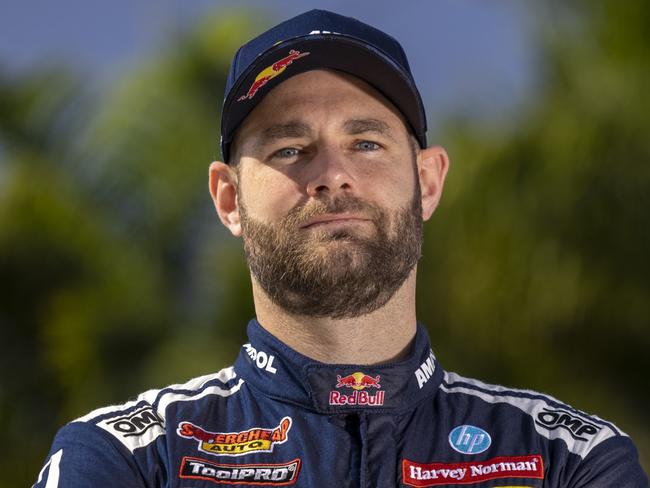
pixel 135 429
pixel 559 419
pixel 357 382
pixel 434 474
pixel 426 369
pixel 240 474
pixel 468 439
pixel 270 72
pixel 261 359
pixel 256 439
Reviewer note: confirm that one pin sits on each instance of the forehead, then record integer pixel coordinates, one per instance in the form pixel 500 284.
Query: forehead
pixel 318 98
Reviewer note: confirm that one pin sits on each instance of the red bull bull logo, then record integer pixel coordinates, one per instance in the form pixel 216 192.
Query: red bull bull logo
pixel 358 382
pixel 271 72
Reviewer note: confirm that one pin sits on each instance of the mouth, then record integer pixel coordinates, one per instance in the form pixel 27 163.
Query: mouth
pixel 334 221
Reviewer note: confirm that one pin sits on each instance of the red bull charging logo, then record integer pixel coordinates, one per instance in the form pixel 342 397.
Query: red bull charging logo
pixel 358 382
pixel 267 74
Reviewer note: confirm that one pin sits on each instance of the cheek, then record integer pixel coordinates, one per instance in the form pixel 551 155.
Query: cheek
pixel 267 198
pixel 394 186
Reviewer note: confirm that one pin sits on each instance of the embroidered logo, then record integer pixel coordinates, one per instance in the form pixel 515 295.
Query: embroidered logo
pixel 358 382
pixel 240 474
pixel 257 439
pixel 555 419
pixel 425 371
pixel 267 74
pixel 135 429
pixel 261 359
pixel 434 474
pixel 468 439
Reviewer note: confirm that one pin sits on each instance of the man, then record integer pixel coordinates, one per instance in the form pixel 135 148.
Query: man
pixel 327 178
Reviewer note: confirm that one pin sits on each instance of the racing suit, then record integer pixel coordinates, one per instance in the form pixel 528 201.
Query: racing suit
pixel 279 418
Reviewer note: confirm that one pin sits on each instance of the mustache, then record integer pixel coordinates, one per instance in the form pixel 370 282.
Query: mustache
pixel 298 215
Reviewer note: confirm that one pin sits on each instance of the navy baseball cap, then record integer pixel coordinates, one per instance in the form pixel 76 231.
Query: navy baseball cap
pixel 315 40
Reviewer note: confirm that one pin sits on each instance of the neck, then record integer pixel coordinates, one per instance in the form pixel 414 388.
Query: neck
pixel 378 337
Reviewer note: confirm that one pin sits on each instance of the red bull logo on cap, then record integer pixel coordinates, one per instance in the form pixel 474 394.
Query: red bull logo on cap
pixel 358 382
pixel 267 74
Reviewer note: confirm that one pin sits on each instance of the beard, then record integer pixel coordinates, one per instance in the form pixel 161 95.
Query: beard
pixel 342 273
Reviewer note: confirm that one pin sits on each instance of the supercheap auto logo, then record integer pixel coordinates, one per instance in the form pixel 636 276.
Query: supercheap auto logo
pixel 270 72
pixel 257 439
pixel 358 382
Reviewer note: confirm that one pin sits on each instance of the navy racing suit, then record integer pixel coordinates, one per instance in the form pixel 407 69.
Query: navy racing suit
pixel 278 418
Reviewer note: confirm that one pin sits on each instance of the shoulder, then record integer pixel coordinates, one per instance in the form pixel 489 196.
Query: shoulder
pixel 141 421
pixel 551 418
pixel 112 446
pixel 580 449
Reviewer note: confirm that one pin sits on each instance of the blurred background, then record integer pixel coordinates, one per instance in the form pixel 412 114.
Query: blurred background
pixel 116 276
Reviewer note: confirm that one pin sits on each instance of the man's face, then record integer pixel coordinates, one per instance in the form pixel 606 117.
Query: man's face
pixel 328 196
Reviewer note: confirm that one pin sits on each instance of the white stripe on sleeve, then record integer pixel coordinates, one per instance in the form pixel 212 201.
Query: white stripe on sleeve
pixel 53 475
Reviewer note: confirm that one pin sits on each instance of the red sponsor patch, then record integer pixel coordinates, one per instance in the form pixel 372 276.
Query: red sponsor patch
pixel 256 439
pixel 357 382
pixel 433 474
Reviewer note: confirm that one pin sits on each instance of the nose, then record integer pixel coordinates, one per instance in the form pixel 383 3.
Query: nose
pixel 328 173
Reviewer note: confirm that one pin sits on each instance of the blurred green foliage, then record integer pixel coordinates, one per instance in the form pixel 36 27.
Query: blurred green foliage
pixel 115 276
pixel 536 271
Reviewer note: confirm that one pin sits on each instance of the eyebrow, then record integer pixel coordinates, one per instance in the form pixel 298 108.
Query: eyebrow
pixel 282 131
pixel 360 126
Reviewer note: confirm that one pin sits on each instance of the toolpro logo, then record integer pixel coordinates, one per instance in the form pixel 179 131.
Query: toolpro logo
pixel 240 474
pixel 267 74
pixel 256 439
pixel 358 382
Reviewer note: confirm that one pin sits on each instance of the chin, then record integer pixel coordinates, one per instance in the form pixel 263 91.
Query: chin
pixel 344 255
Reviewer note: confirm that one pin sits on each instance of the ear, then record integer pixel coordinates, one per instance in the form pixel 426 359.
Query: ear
pixel 433 164
pixel 223 188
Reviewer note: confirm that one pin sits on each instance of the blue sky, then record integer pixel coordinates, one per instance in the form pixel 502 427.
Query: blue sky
pixel 470 56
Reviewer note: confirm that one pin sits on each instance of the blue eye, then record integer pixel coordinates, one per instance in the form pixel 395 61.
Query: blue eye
pixel 287 152
pixel 368 146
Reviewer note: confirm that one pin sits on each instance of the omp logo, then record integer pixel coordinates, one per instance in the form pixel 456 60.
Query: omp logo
pixel 241 474
pixel 135 429
pixel 135 423
pixel 555 419
pixel 256 439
